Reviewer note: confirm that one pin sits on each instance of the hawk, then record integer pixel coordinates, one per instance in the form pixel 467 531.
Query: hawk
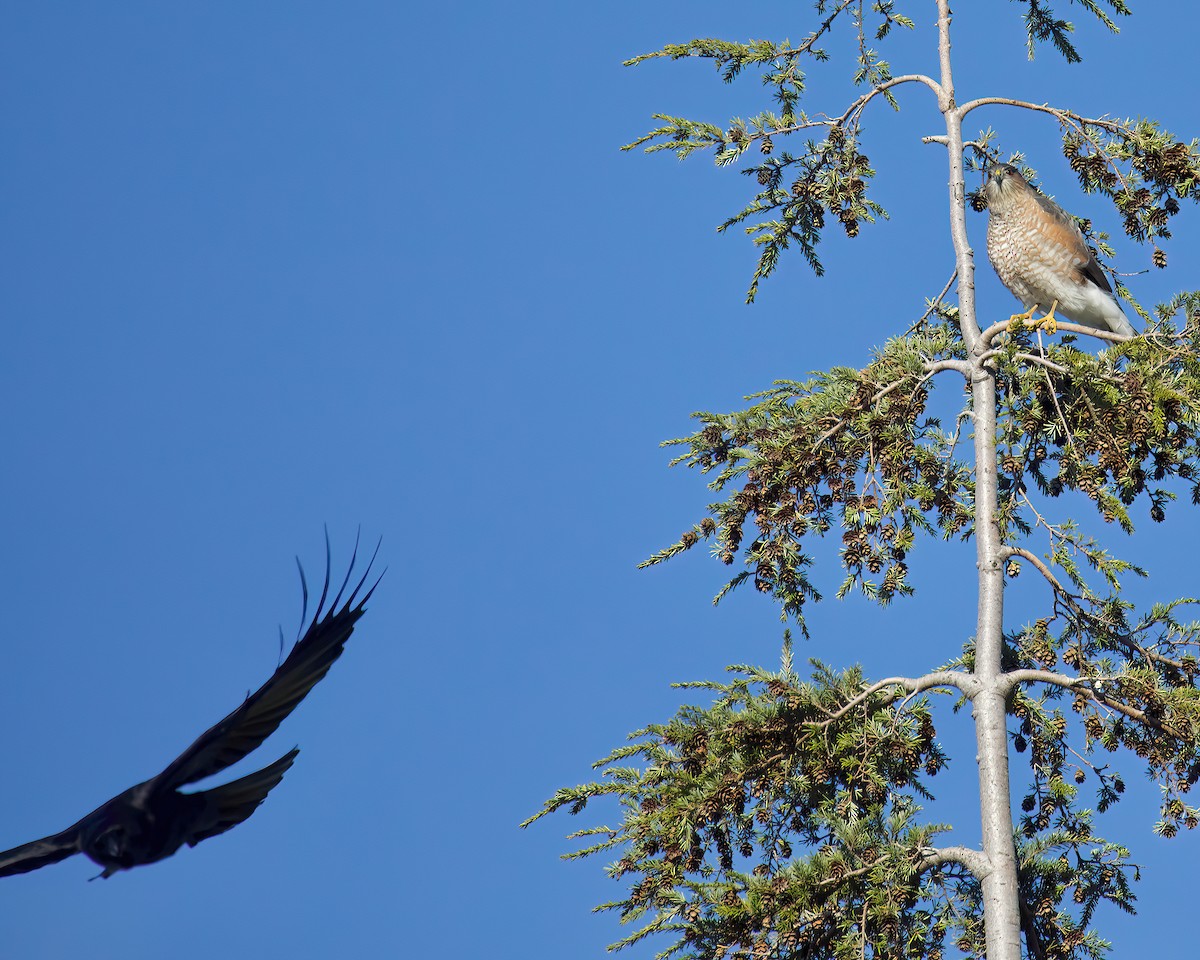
pixel 1039 252
pixel 152 820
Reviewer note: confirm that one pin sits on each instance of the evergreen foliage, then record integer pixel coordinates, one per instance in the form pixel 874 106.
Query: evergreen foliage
pixel 783 819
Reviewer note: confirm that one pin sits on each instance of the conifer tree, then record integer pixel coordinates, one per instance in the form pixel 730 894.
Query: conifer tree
pixel 783 819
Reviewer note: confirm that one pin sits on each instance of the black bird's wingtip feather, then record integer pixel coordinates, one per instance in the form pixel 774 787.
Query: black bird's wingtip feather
pixel 306 663
pixel 325 587
pixel 303 594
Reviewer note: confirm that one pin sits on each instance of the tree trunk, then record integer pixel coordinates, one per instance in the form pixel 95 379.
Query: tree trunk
pixel 1000 899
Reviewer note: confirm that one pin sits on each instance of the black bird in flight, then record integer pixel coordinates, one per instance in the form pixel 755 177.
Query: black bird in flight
pixel 151 821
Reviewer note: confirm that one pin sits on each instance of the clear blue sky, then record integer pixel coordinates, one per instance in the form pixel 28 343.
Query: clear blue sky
pixel 268 266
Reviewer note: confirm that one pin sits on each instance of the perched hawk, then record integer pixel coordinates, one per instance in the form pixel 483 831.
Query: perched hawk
pixel 1039 252
pixel 152 820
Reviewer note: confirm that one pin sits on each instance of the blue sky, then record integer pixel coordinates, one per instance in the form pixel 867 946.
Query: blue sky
pixel 270 266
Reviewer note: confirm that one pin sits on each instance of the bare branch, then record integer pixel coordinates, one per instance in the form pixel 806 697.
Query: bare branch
pixel 933 304
pixel 1039 360
pixel 852 113
pixel 1088 687
pixel 1066 118
pixel 931 370
pixel 1065 681
pixel 1058 113
pixel 1093 332
pixel 1005 326
pixel 1037 561
pixel 963 682
pixel 857 107
pixel 974 860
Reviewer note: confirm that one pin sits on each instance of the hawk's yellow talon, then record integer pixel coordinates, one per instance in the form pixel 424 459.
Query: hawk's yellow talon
pixel 1018 320
pixel 1049 322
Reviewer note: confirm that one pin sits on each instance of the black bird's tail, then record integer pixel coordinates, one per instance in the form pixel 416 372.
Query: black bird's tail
pixel 231 803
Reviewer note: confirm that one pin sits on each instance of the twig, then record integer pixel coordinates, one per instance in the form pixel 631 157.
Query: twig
pixel 933 305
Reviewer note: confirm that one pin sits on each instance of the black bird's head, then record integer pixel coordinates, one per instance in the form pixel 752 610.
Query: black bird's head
pixel 112 845
pixel 112 842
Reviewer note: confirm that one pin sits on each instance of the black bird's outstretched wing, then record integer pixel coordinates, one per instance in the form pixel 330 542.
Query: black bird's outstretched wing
pixel 39 853
pixel 152 820
pixel 261 712
pixel 229 804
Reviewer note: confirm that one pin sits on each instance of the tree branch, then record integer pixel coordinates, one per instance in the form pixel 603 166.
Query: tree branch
pixel 931 370
pixel 852 112
pixel 973 860
pixel 1056 112
pixel 963 682
pixel 1039 360
pixel 1040 564
pixel 1005 326
pixel 1065 118
pixel 1087 687
pixel 813 37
